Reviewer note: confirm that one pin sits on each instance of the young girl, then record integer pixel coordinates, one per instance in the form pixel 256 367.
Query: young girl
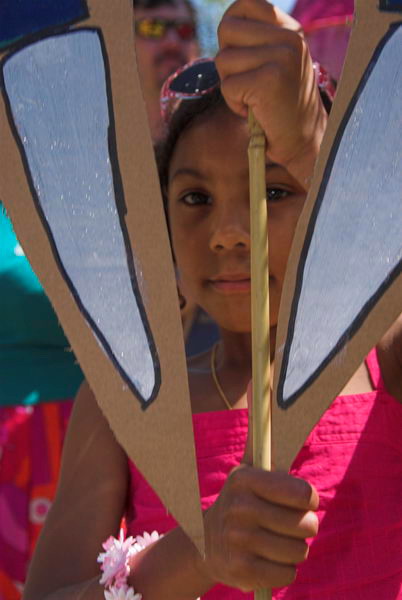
pixel 256 522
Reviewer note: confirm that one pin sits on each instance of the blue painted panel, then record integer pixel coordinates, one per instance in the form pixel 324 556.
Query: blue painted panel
pixel 60 107
pixel 353 247
pixel 20 18
pixel 392 5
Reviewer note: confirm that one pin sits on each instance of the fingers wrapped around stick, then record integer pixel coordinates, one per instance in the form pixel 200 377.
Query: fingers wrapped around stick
pixel 256 531
pixel 264 64
pixel 277 487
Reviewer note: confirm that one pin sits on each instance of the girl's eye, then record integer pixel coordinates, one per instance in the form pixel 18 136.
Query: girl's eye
pixel 275 194
pixel 196 199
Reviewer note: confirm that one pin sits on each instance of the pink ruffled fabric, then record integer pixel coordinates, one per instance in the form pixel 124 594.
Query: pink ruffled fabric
pixel 31 440
pixel 354 458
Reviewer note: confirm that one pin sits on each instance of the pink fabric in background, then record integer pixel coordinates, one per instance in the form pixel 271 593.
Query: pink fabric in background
pixel 310 10
pixel 31 440
pixel 327 45
pixel 354 458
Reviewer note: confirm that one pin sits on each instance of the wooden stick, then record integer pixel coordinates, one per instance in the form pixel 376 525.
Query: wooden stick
pixel 261 410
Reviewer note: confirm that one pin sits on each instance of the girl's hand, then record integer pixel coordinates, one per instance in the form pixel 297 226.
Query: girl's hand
pixel 256 531
pixel 264 64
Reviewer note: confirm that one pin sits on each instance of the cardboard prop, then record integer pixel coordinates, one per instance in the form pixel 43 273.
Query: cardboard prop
pixel 79 182
pixel 343 286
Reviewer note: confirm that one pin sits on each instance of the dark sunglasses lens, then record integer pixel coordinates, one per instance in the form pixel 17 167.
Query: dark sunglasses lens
pixel 196 79
pixel 185 31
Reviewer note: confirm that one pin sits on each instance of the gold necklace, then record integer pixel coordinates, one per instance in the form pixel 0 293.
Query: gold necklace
pixel 215 377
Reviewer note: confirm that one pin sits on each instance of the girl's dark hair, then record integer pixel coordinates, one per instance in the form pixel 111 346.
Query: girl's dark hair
pixel 188 112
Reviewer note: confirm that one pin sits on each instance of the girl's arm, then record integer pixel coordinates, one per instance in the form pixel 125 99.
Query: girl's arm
pixel 255 531
pixel 89 503
pixel 390 359
pixel 264 64
pixel 255 535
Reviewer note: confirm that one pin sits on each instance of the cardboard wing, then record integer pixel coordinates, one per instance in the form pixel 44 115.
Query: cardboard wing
pixel 343 285
pixel 79 182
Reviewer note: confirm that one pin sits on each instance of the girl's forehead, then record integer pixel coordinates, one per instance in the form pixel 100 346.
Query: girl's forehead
pixel 214 150
pixel 217 130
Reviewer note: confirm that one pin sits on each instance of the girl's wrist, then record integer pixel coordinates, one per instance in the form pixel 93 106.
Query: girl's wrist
pixel 201 567
pixel 116 564
pixel 301 165
pixel 181 570
pixel 202 562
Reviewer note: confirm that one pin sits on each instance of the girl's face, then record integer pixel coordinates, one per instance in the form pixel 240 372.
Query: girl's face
pixel 208 205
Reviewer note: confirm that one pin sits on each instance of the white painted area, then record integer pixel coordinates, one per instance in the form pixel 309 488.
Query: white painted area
pixel 357 242
pixel 57 92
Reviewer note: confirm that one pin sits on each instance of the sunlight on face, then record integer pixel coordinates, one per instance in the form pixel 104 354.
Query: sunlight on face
pixel 210 219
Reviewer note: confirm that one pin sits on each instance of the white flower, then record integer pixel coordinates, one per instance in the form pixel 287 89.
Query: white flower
pixel 114 562
pixel 142 541
pixel 122 593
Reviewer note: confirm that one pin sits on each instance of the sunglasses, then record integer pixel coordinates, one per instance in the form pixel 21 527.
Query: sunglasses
pixel 200 77
pixel 192 81
pixel 157 28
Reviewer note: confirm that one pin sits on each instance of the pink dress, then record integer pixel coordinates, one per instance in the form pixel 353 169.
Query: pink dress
pixel 354 458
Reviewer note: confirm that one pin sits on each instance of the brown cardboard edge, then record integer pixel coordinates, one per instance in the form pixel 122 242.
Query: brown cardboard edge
pixel 177 486
pixel 291 427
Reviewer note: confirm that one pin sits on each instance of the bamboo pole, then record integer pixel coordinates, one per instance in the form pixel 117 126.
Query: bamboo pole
pixel 261 409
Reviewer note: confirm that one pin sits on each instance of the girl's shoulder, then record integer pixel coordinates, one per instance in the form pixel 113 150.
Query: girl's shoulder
pixel 389 352
pixel 89 503
pixel 88 425
pixel 94 465
pixel 86 409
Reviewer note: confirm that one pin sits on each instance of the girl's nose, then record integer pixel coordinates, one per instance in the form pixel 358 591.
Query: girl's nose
pixel 230 232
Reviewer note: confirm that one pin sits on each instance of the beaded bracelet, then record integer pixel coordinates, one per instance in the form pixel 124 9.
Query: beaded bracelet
pixel 115 564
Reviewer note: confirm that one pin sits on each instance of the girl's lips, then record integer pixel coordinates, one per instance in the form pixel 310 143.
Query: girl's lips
pixel 232 284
